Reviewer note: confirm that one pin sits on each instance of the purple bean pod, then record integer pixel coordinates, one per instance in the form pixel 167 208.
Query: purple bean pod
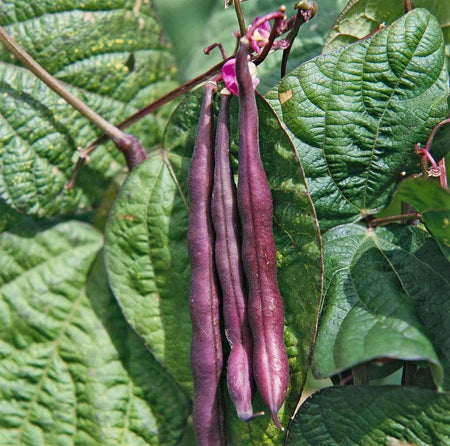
pixel 206 350
pixel 265 306
pixel 229 268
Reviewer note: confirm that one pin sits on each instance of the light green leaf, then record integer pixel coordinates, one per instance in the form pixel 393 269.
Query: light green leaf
pixel 372 416
pixel 359 18
pixel 71 370
pixel 433 202
pixel 386 296
pixel 148 266
pixel 109 54
pixel 355 114
pixel 147 262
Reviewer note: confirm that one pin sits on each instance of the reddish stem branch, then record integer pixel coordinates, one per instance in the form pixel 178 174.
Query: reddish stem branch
pixel 443 177
pixel 403 217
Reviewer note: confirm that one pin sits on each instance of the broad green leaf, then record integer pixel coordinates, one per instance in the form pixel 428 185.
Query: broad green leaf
pixel 433 202
pixel 372 416
pixel 355 114
pixel 359 18
pixel 196 28
pixel 109 54
pixel 441 10
pixel 71 370
pixel 147 260
pixel 386 296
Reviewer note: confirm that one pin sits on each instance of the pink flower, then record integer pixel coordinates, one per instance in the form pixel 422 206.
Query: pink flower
pixel 260 35
pixel 259 32
pixel 229 75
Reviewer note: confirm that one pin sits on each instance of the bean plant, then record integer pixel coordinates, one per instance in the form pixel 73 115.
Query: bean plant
pixel 342 201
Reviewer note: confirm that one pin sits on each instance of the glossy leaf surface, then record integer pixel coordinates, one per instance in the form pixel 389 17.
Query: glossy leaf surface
pixel 386 296
pixel 433 202
pixel 372 416
pixel 355 114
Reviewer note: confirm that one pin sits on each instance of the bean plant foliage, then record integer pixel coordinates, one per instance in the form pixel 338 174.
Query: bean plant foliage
pixel 95 332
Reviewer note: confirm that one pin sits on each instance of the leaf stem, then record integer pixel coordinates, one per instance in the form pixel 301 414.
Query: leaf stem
pixel 150 108
pixel 306 10
pixel 403 217
pixel 443 181
pixel 240 17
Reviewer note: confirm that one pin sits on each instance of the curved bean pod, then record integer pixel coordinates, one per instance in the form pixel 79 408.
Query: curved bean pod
pixel 229 269
pixel 266 317
pixel 206 350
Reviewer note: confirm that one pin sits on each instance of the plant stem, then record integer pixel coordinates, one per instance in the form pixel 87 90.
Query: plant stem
pixel 443 177
pixel 407 5
pixel 433 133
pixel 403 217
pixel 240 17
pixel 305 12
pixel 150 108
pixel 409 373
pixel 57 87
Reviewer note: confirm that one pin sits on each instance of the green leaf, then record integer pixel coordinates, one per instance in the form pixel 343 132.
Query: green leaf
pixel 355 114
pixel 148 267
pixel 359 18
pixel 71 370
pixel 386 296
pixel 112 56
pixel 147 261
pixel 441 10
pixel 372 416
pixel 433 202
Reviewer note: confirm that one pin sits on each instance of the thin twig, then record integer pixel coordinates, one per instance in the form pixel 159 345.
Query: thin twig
pixel 304 14
pixel 403 217
pixel 163 100
pixel 240 16
pixel 443 181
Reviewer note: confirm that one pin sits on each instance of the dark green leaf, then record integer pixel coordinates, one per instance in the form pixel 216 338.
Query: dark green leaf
pixel 361 17
pixel 71 370
pixel 109 54
pixel 372 416
pixel 433 202
pixel 386 296
pixel 355 114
